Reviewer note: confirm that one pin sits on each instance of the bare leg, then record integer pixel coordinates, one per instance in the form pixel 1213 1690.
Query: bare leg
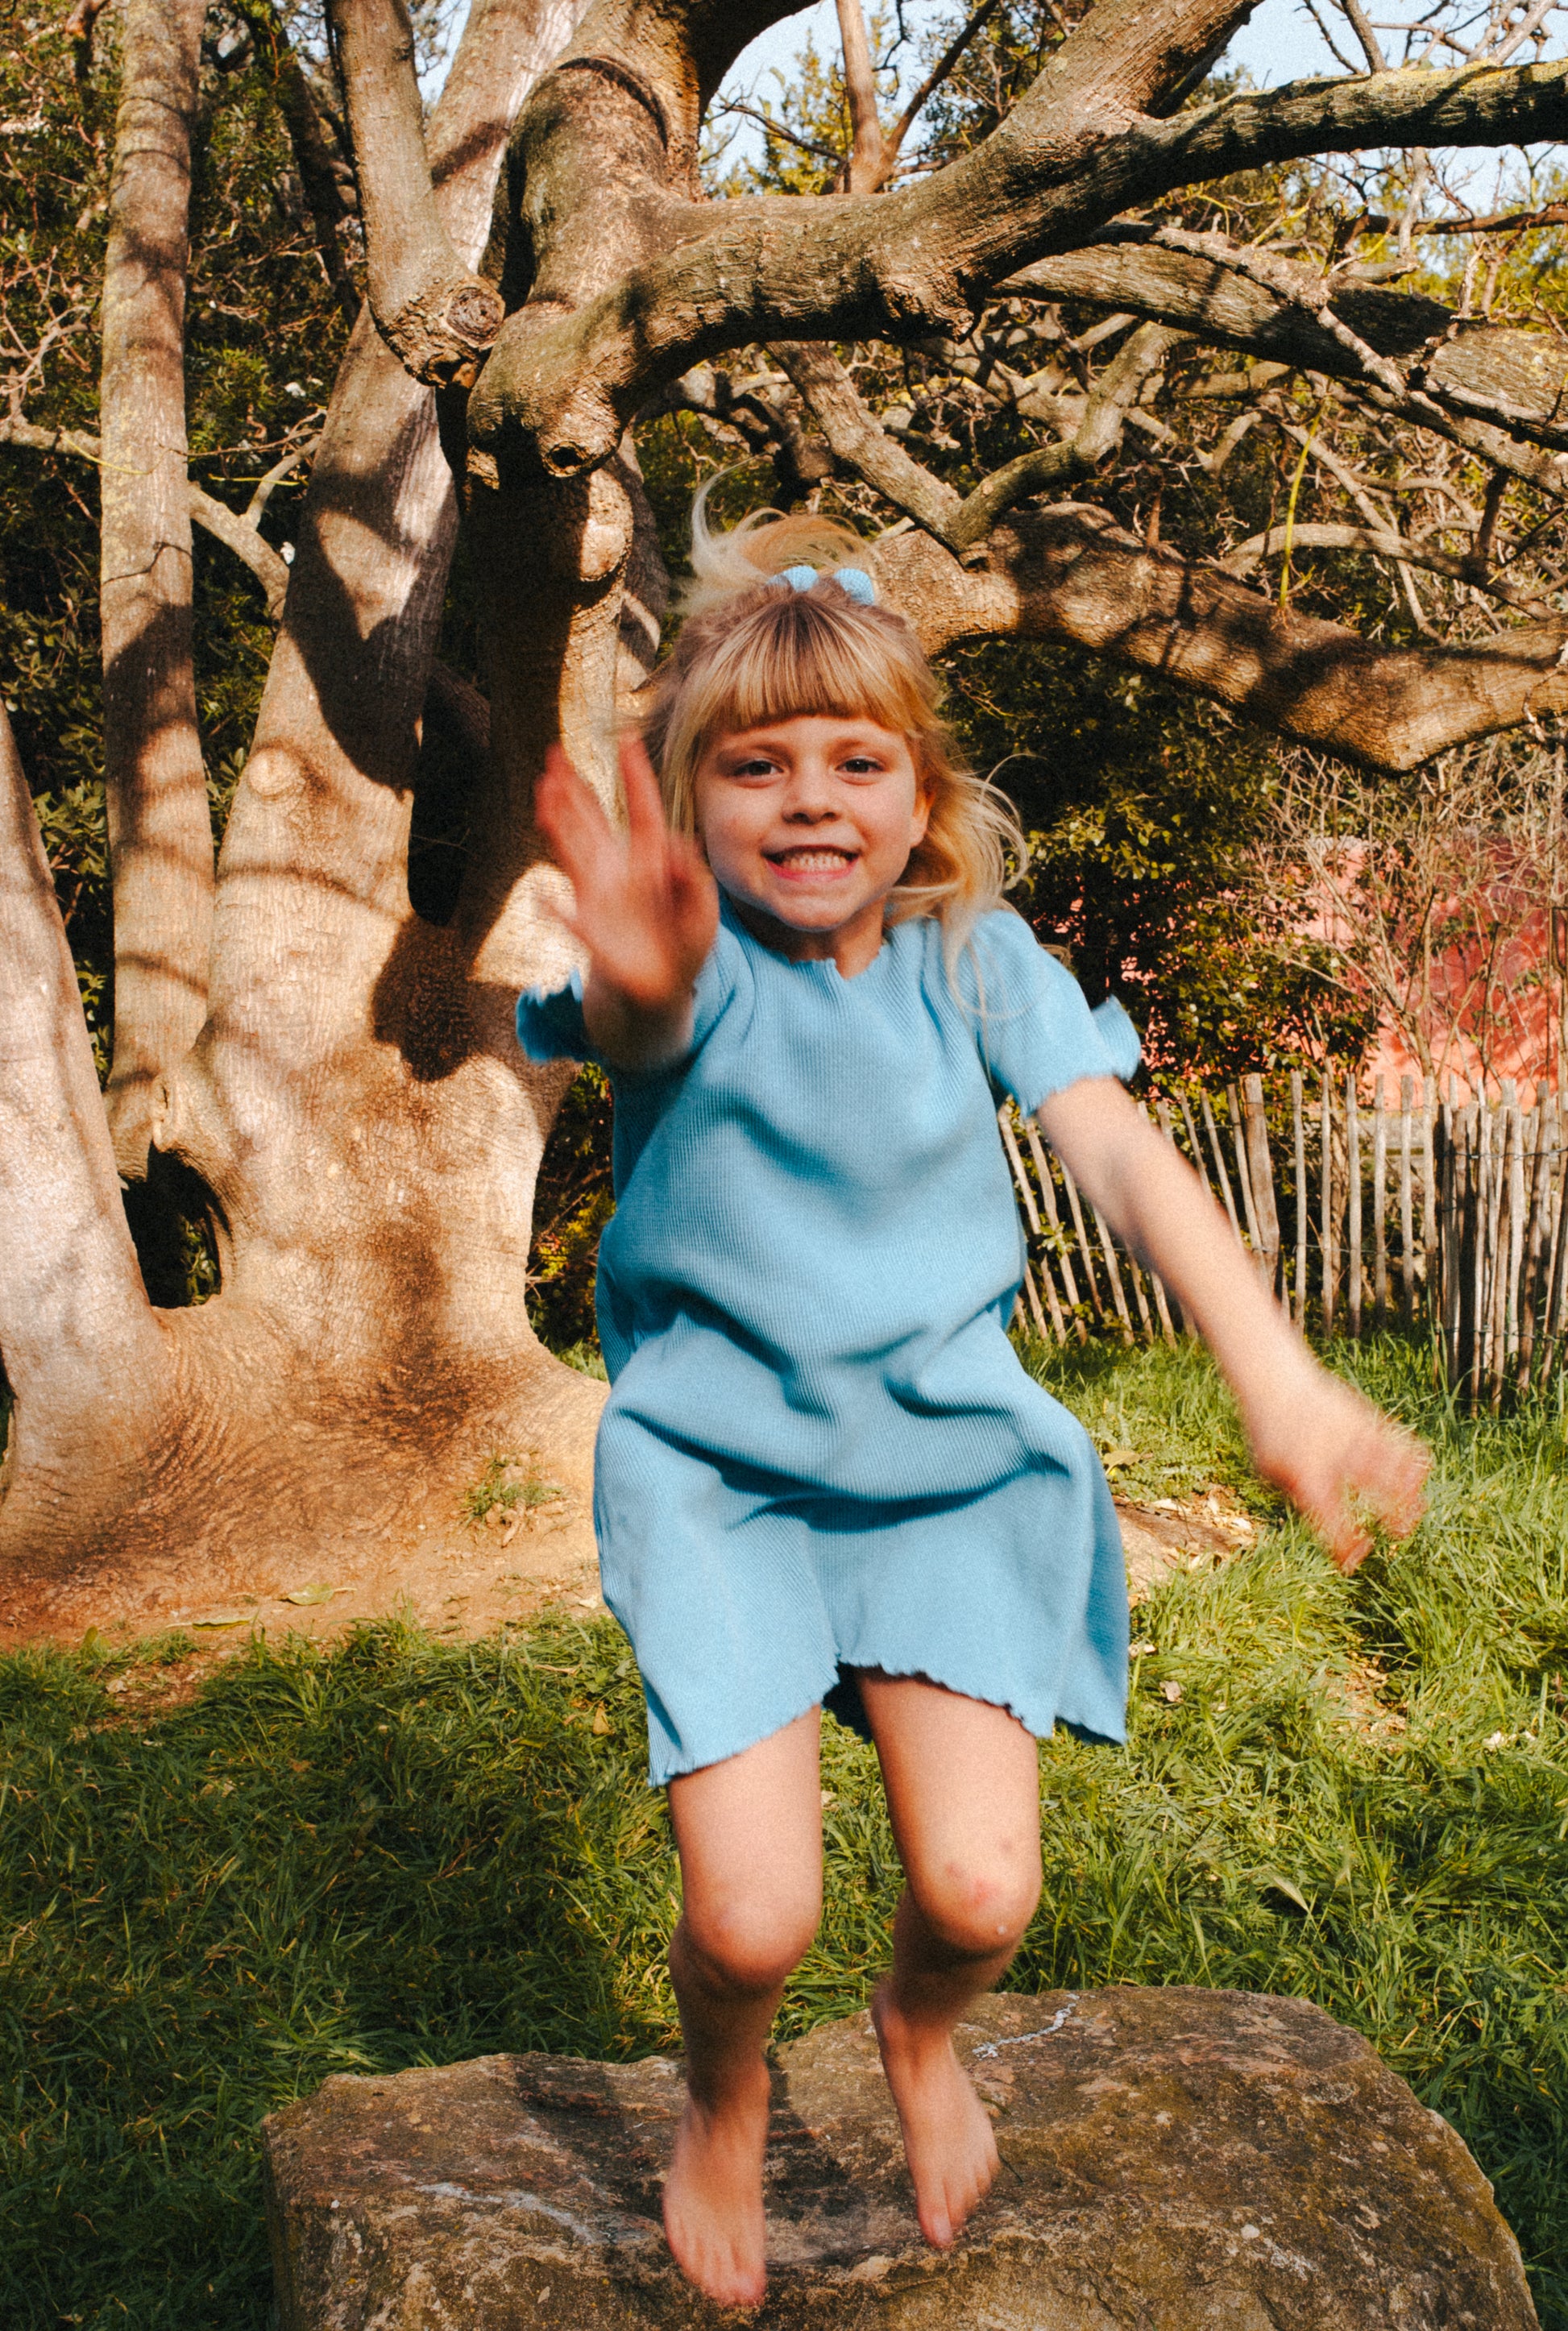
pixel 962 1781
pixel 749 1832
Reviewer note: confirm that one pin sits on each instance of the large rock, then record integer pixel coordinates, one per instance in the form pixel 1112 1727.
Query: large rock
pixel 1173 2160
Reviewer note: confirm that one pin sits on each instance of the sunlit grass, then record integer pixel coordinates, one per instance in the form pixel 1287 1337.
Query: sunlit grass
pixel 395 1852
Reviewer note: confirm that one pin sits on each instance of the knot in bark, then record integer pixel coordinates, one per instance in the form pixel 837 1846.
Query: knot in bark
pixel 442 336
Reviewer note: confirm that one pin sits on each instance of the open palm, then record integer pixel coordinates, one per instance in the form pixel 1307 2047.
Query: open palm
pixel 644 904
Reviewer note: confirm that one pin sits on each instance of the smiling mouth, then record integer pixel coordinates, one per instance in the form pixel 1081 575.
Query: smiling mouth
pixel 817 859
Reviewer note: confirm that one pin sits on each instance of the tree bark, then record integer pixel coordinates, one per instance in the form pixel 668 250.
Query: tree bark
pixel 429 307
pixel 359 1115
pixel 568 374
pixel 77 1335
pixel 1070 575
pixel 160 833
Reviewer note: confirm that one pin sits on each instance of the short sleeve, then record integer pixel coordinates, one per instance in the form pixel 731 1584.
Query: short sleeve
pixel 551 1026
pixel 1036 1033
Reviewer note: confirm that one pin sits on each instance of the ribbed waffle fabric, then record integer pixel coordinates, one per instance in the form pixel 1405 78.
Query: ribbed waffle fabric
pixel 819 1452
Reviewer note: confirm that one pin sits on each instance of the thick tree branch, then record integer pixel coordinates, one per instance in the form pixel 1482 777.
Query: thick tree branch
pixel 435 314
pixel 1516 380
pixel 160 836
pixel 1076 151
pixel 1070 575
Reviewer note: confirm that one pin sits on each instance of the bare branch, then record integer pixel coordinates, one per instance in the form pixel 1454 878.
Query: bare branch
pixel 1381 542
pixel 437 316
pixel 860 441
pixel 1279 309
pixel 893 143
pixel 240 535
pixel 236 533
pixel 1356 16
pixel 866 167
pixel 1070 575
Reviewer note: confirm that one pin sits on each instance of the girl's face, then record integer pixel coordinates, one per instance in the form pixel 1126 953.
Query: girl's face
pixel 808 824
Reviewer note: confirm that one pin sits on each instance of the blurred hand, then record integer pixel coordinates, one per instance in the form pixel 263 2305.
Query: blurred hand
pixel 1342 1464
pixel 644 904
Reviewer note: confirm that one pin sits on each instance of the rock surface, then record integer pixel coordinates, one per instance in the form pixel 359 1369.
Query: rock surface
pixel 1173 2160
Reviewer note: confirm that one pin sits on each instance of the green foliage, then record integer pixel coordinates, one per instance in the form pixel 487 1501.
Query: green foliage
pixel 1139 805
pixel 572 1201
pixel 395 1851
pixel 263 338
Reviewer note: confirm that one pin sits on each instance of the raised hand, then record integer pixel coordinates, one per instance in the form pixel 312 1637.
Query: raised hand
pixel 644 905
pixel 1341 1464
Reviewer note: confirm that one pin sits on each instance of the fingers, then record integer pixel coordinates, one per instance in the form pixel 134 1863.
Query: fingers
pixel 569 816
pixel 645 822
pixel 1371 1474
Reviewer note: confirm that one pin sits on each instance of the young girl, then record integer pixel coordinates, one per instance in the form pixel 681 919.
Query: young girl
pixel 822 1478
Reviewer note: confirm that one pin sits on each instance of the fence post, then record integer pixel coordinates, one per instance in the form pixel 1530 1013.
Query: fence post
pixel 1330 1263
pixel 1299 1127
pixel 1059 1240
pixel 1260 1173
pixel 1213 1130
pixel 1379 1206
pixel 1407 1261
pixel 1353 1226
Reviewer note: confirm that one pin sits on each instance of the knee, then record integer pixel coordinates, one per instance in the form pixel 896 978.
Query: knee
pixel 748 1946
pixel 973 1910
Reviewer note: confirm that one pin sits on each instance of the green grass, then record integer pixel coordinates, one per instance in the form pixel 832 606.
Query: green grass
pixel 394 1853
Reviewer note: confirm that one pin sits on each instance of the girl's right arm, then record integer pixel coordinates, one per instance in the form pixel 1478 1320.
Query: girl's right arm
pixel 644 905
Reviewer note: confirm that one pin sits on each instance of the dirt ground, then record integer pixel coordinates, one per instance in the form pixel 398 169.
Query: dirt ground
pixel 467 1580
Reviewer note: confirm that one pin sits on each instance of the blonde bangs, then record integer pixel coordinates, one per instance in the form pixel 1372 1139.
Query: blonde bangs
pixel 792 656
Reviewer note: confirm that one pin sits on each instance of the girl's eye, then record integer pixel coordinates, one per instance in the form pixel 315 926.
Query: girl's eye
pixel 757 768
pixel 862 765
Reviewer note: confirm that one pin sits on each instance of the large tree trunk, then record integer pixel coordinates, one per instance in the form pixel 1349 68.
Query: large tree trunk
pixel 160 835
pixel 355 1105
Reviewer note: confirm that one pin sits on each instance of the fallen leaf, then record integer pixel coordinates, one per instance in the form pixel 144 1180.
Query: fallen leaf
pixel 1115 1457
pixel 1139 1651
pixel 602 1727
pixel 224 1619
pixel 311 1594
pixel 1172 1690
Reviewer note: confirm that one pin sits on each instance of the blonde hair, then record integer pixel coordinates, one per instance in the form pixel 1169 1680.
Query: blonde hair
pixel 749 651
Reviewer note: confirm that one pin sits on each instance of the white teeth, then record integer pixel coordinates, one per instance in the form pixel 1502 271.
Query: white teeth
pixel 813 861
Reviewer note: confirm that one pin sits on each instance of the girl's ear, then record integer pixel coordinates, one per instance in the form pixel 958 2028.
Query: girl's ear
pixel 924 802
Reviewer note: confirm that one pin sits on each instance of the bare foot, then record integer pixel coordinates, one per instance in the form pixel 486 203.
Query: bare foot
pixel 948 2137
pixel 713 2217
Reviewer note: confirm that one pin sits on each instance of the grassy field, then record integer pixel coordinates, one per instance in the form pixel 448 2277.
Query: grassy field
pixel 398 1852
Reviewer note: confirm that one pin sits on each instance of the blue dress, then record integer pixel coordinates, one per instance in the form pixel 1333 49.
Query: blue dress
pixel 819 1452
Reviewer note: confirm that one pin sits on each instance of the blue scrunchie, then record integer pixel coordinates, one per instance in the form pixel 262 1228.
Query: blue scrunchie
pixel 853 581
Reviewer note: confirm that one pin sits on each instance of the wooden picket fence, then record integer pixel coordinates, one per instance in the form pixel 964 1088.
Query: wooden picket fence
pixel 1444 1215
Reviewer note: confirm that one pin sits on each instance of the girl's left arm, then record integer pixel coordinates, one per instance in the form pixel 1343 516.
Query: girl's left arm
pixel 1334 1455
